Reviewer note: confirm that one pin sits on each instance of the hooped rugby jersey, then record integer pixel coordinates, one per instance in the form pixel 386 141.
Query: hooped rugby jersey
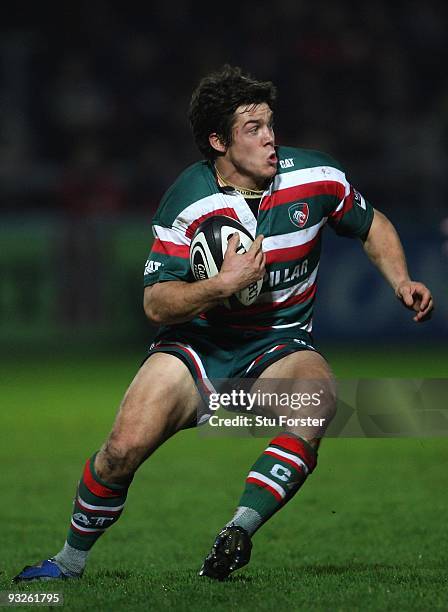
pixel 309 191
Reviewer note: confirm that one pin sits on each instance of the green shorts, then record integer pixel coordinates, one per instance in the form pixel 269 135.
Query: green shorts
pixel 216 354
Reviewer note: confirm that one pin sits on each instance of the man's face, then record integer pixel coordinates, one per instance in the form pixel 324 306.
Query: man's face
pixel 251 151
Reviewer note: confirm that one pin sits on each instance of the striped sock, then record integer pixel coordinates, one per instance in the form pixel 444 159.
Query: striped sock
pixel 98 505
pixel 273 480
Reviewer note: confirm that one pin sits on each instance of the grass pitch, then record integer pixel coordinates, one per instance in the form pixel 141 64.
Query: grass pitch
pixel 367 531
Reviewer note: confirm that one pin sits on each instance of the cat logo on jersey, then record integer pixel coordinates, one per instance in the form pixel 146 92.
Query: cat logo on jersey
pixel 298 213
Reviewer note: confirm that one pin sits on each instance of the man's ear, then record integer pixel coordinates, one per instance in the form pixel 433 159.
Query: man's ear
pixel 216 142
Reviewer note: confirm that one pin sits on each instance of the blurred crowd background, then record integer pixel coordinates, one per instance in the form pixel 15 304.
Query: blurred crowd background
pixel 94 100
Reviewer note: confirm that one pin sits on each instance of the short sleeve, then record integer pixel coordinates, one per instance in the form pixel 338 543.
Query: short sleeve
pixel 353 215
pixel 169 259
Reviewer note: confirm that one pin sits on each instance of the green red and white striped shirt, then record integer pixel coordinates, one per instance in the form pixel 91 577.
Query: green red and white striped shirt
pixel 309 191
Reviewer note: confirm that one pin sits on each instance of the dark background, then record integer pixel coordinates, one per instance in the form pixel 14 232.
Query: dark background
pixel 94 99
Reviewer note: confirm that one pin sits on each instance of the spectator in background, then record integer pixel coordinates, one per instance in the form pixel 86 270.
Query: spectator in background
pixel 373 73
pixel 88 187
pixel 90 196
pixel 80 104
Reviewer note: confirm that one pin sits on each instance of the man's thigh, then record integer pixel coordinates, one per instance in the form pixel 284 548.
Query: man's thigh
pixel 161 400
pixel 303 387
pixel 300 365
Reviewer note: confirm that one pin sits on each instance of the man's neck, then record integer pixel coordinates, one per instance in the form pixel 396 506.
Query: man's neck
pixel 227 176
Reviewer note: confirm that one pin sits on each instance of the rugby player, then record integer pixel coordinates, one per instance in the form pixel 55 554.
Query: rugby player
pixel 284 196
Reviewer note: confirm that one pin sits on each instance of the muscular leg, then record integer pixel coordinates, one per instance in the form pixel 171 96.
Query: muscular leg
pixel 161 400
pixel 284 465
pixel 307 372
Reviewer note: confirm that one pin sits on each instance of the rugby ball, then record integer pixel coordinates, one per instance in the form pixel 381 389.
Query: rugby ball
pixel 207 250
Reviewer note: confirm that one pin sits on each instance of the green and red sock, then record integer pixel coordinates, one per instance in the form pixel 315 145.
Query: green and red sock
pixel 273 480
pixel 98 505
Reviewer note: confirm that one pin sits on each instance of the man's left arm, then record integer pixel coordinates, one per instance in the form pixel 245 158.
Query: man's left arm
pixel 384 248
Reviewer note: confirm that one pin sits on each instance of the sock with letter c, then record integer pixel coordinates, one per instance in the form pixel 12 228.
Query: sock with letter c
pixel 274 479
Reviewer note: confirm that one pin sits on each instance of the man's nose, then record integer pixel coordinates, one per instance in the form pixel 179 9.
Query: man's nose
pixel 268 135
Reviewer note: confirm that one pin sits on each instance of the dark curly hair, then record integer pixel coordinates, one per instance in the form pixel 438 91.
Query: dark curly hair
pixel 215 100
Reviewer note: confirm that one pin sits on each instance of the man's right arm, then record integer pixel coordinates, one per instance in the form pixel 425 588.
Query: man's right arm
pixel 171 302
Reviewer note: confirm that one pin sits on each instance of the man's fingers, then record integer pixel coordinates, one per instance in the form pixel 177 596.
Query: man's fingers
pixel 410 297
pixel 233 242
pixel 426 312
pixel 257 244
pixel 421 318
pixel 406 294
pixel 258 258
pixel 430 305
pixel 234 239
pixel 426 298
pixel 429 308
pixel 417 297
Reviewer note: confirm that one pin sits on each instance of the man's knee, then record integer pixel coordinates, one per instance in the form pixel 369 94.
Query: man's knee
pixel 325 406
pixel 119 458
pixel 309 382
pixel 329 398
pixel 319 384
